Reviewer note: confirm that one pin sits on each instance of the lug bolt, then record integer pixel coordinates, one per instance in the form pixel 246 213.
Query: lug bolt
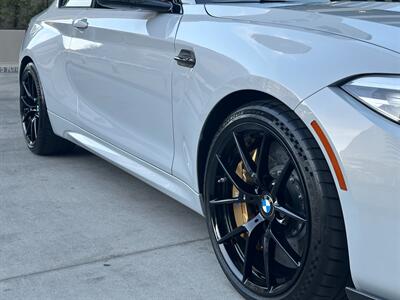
pixel 222 180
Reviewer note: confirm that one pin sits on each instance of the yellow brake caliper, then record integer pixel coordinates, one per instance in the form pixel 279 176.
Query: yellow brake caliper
pixel 240 210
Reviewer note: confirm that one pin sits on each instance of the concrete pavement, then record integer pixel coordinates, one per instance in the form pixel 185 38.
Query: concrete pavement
pixel 76 227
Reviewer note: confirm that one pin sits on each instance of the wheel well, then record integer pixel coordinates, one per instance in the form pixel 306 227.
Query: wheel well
pixel 217 116
pixel 26 60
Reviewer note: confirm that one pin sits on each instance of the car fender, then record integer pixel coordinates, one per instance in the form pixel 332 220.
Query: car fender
pixel 255 57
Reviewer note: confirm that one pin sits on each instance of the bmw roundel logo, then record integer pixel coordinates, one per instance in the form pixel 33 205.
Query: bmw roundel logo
pixel 266 204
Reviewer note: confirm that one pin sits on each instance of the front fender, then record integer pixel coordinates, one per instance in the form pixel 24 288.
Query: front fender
pixel 288 63
pixel 47 42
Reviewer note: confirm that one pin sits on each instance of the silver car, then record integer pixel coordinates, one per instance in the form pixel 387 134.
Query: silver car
pixel 279 121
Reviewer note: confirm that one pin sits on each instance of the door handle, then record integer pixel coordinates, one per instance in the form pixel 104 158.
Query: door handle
pixel 186 58
pixel 80 24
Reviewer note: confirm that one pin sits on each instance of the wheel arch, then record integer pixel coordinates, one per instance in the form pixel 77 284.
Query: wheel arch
pixel 216 117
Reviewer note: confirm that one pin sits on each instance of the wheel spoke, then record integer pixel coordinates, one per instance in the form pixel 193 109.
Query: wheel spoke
pixel 28 93
pixel 283 178
pixel 248 162
pixel 249 254
pixel 32 87
pixel 26 114
pixel 226 201
pixel 289 213
pixel 287 249
pixel 247 227
pixel 236 180
pixel 262 158
pixel 28 127
pixel 266 255
pixel 34 129
pixel 233 200
pixel 23 99
pixel 253 223
pixel 232 234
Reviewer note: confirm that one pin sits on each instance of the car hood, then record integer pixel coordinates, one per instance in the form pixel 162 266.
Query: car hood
pixel 376 23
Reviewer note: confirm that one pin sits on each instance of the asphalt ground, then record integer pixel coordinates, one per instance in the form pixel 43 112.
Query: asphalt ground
pixel 76 227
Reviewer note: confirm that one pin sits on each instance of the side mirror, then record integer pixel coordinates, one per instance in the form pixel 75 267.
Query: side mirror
pixel 162 6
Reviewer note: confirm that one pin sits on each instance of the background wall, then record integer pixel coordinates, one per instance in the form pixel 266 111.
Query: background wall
pixel 14 18
pixel 10 42
pixel 15 14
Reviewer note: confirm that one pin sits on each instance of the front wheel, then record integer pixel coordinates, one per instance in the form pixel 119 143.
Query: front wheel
pixel 272 208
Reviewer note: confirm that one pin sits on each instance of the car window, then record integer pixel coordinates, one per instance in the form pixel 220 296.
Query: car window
pixel 75 3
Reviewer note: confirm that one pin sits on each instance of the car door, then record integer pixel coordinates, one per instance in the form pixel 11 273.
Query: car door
pixel 122 67
pixel 52 57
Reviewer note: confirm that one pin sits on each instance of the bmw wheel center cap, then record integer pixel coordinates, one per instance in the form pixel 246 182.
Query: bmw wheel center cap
pixel 267 205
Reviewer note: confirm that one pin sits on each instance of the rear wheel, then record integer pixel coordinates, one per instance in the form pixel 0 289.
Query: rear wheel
pixel 272 208
pixel 39 135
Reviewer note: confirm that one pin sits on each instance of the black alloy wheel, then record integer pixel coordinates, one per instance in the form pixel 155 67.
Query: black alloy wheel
pixel 30 107
pixel 36 126
pixel 261 205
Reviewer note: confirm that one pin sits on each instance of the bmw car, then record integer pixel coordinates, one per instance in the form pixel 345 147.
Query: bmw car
pixel 278 121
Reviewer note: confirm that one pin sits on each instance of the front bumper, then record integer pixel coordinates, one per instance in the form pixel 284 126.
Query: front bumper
pixel 368 150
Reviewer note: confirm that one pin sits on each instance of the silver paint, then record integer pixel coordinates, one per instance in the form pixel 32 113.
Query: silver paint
pixel 115 89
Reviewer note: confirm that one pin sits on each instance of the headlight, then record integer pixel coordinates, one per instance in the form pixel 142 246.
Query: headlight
pixel 381 93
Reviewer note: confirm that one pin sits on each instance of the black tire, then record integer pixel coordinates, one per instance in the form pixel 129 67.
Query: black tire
pixel 324 267
pixel 39 135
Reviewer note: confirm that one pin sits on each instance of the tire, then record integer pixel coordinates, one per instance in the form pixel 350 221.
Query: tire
pixel 273 211
pixel 39 135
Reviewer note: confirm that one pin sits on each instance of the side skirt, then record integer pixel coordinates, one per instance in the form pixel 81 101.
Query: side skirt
pixel 353 294
pixel 159 179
